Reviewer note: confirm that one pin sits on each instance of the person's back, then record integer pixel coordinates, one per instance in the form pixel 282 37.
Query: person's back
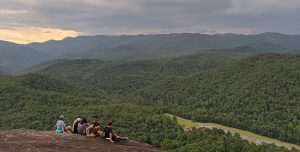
pixel 107 130
pixel 93 129
pixel 81 127
pixel 60 125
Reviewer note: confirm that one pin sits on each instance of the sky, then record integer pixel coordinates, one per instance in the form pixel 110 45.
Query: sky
pixel 25 21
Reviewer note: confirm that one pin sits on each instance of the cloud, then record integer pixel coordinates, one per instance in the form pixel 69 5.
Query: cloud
pixel 11 11
pixel 257 7
pixel 154 16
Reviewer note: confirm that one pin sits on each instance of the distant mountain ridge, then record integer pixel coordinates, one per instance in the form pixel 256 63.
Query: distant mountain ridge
pixel 105 46
pixel 14 57
pixel 17 57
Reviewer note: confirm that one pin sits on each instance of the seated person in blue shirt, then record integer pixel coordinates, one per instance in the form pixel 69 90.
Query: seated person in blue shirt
pixel 60 125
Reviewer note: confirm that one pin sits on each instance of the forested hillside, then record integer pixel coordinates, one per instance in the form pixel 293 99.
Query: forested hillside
pixel 258 93
pixel 122 77
pixel 34 101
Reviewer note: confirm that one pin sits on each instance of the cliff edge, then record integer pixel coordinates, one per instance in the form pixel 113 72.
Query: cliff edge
pixel 26 140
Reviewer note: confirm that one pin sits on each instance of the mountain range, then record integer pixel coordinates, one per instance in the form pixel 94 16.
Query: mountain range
pixel 17 57
pixel 249 82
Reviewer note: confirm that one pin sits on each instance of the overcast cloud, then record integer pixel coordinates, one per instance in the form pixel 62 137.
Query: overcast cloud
pixel 90 17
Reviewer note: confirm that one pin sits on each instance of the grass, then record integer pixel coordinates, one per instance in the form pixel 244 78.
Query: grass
pixel 185 123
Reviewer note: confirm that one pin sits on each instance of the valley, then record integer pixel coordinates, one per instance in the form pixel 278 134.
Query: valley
pixel 246 135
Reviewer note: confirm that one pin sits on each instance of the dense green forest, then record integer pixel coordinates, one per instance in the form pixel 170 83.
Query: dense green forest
pixel 257 93
pixel 35 101
pixel 122 77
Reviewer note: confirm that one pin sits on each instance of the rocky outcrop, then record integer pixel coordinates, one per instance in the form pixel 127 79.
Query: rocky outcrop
pixel 25 140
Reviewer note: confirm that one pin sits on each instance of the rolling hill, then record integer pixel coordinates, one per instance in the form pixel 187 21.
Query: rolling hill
pixel 16 57
pixel 257 93
pixel 34 101
pixel 117 76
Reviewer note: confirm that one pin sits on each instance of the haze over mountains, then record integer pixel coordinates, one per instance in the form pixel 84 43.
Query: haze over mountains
pixel 16 57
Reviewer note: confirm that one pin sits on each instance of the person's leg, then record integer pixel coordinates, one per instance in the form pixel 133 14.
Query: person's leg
pixel 121 138
pixel 111 137
pixel 59 130
pixel 100 133
pixel 68 129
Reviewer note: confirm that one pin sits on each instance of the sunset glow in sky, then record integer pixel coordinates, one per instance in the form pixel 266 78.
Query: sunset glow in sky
pixel 25 21
pixel 34 34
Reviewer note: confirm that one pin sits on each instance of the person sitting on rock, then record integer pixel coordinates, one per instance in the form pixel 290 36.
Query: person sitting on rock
pixel 81 127
pixel 110 135
pixel 94 129
pixel 75 124
pixel 60 125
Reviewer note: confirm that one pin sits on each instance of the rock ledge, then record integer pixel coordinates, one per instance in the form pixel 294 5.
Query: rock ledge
pixel 26 140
